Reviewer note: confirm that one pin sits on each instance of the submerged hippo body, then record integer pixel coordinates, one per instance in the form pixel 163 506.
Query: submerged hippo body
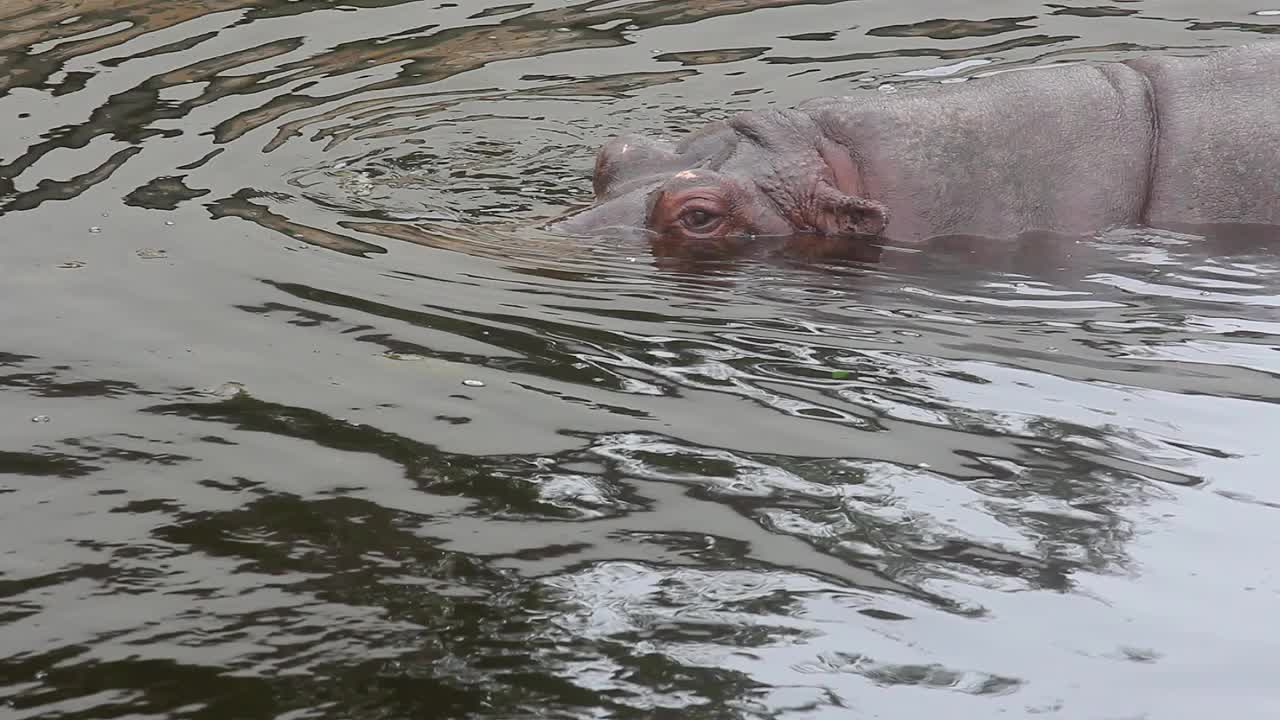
pixel 1164 141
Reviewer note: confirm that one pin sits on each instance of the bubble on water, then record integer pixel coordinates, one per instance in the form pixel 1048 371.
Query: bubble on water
pixel 95 229
pixel 473 383
pixel 40 419
pixel 226 390
pixel 168 222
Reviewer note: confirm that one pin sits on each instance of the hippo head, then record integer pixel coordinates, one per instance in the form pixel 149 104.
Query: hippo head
pixel 765 174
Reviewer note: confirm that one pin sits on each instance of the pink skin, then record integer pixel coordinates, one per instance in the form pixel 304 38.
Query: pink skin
pixel 729 186
pixel 704 212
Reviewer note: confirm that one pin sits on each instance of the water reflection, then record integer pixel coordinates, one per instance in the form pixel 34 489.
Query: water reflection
pixel 364 443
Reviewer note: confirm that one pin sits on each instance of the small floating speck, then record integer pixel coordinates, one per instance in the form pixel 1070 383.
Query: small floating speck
pixel 95 229
pixel 71 264
pixel 473 383
pixel 168 222
pixel 839 374
pixel 152 253
pixel 40 419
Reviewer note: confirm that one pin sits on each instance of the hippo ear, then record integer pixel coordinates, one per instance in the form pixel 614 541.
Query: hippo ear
pixel 838 213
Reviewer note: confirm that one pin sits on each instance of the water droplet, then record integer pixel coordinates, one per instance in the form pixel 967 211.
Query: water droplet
pixel 40 419
pixel 95 229
pixel 473 383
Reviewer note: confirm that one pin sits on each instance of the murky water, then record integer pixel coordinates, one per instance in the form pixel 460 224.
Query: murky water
pixel 303 419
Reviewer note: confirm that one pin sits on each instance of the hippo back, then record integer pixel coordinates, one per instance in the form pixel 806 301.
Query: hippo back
pixel 1218 136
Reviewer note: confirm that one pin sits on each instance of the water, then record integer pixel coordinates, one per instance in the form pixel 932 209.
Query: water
pixel 304 419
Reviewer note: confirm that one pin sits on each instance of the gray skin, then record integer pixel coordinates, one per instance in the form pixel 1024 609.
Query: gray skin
pixel 1072 149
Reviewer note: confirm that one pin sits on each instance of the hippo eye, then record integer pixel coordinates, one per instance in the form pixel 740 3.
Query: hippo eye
pixel 699 220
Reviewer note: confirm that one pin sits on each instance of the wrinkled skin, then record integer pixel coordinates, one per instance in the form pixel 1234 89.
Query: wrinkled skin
pixel 1159 141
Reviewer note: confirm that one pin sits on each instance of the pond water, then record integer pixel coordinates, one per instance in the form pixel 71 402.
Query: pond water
pixel 304 418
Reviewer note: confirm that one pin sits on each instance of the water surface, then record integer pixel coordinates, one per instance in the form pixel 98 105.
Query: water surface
pixel 304 419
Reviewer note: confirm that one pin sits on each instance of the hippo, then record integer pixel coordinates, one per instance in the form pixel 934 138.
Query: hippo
pixel 1078 148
